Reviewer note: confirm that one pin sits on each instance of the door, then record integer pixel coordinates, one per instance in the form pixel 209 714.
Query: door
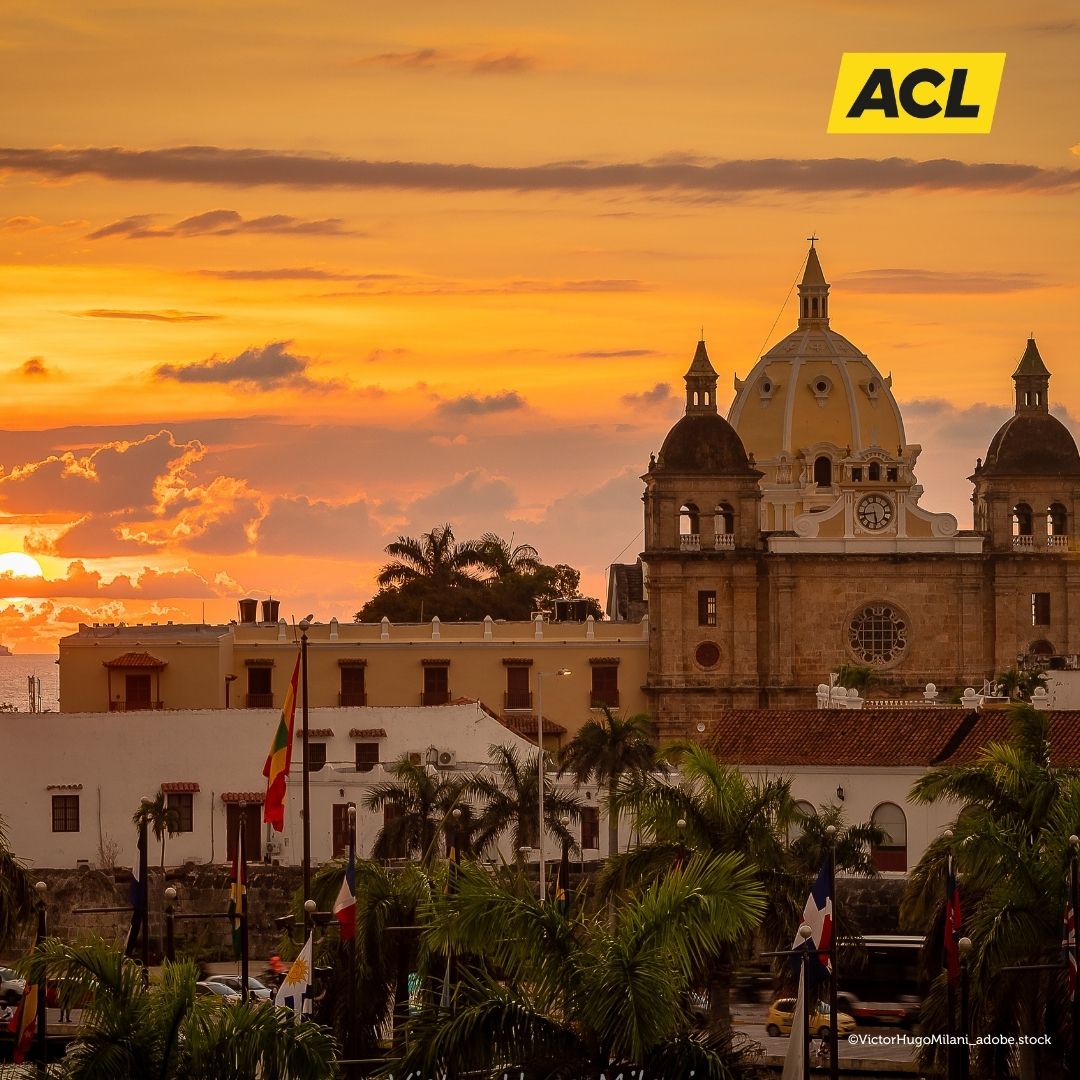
pixel 339 830
pixel 137 691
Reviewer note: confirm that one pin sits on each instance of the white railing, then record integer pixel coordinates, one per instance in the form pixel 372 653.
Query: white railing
pixel 1024 543
pixel 690 542
pixel 725 541
pixel 1059 541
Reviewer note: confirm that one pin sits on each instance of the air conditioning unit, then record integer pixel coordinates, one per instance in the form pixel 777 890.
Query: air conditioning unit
pixel 273 847
pixel 447 759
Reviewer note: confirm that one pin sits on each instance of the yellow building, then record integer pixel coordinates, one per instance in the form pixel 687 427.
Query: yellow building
pixel 507 666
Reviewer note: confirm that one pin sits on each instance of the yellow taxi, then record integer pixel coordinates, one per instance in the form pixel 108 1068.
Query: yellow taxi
pixel 778 1019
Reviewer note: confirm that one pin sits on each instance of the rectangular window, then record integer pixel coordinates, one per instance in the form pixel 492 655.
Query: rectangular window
pixel 367 756
pixel 137 692
pixel 892 474
pixel 436 685
pixel 395 843
pixel 353 689
pixel 260 688
pixel 605 686
pixel 339 830
pixel 706 608
pixel 65 813
pixel 1040 609
pixel 182 805
pixel 518 695
pixel 856 474
pixel 316 756
pixel 590 827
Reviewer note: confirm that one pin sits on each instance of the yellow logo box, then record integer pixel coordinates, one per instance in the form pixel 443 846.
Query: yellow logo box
pixel 916 93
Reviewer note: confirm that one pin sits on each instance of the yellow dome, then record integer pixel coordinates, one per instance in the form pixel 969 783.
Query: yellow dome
pixel 815 388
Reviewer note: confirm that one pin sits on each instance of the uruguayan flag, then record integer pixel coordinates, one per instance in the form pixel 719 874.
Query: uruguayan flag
pixel 295 992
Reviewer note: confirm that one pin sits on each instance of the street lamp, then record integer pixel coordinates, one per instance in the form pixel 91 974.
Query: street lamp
pixel 170 925
pixel 540 676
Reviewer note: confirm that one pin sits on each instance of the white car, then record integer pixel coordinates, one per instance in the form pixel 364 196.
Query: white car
pixel 256 989
pixel 218 992
pixel 12 986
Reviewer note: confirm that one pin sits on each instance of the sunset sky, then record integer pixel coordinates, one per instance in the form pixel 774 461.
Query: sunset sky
pixel 280 281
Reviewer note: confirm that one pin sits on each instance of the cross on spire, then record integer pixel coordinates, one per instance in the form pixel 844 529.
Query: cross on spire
pixel 812 239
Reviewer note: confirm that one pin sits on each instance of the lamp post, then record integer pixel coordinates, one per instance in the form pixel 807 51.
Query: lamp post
pixel 806 933
pixel 305 625
pixel 1074 945
pixel 170 925
pixel 540 676
pixel 43 1009
pixel 310 908
pixel 963 947
pixel 229 680
pixel 834 1047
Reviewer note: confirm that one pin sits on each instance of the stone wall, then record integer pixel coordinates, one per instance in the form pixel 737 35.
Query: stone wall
pixel 201 889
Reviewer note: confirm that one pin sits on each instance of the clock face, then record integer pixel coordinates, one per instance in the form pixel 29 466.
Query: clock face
pixel 875 512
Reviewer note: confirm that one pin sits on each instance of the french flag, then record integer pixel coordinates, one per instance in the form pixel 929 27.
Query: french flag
pixel 818 915
pixel 345 904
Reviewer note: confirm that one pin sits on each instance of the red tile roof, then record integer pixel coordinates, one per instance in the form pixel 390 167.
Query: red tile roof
pixel 526 726
pixel 369 733
pixel 315 733
pixel 243 796
pixel 885 738
pixel 135 659
pixel 178 786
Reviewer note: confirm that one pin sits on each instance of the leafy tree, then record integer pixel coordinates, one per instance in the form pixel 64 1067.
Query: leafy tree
pixel 607 749
pixel 132 1031
pixel 1010 843
pixel 16 890
pixel 855 677
pixel 509 802
pixel 436 558
pixel 423 798
pixel 161 818
pixel 583 995
pixel 1016 684
pixel 503 560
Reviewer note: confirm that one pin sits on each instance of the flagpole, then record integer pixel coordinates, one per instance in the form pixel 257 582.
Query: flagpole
pixel 806 933
pixel 43 1006
pixel 350 1027
pixel 304 626
pixel 834 1042
pixel 1074 891
pixel 242 901
pixel 950 990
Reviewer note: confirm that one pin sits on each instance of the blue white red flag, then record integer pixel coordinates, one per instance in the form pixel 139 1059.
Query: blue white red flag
pixel 345 904
pixel 818 915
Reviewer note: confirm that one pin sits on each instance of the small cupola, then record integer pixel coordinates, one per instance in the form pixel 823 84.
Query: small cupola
pixel 700 384
pixel 813 292
pixel 1032 381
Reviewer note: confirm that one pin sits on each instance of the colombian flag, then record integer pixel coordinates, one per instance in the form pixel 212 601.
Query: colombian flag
pixel 279 759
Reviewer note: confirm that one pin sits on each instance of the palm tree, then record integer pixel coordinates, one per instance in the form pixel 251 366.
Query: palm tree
pixel 16 891
pixel 607 750
pixel 1011 846
pixel 1016 684
pixel 161 818
pixel 504 560
pixel 422 798
pixel 131 1030
pixel 509 802
pixel 435 559
pixel 579 995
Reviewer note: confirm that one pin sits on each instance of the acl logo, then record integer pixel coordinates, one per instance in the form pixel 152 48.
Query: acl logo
pixel 916 93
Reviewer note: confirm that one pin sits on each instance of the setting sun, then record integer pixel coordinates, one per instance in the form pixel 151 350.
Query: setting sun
pixel 18 564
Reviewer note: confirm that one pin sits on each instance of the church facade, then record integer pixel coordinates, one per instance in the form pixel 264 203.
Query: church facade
pixel 789 538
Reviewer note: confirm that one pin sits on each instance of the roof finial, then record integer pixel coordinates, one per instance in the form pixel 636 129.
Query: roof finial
pixel 812 239
pixel 702 338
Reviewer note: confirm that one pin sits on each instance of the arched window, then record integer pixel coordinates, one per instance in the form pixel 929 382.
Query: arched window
pixel 813 307
pixel 823 472
pixel 1057 520
pixel 695 397
pixel 1021 520
pixel 689 527
pixel 707 397
pixel 891 853
pixel 1042 647
pixel 725 520
pixel 804 810
pixel 874 472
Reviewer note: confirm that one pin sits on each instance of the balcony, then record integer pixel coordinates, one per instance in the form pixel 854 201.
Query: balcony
pixel 599 698
pixel 518 699
pixel 435 697
pixel 258 701
pixel 725 541
pixel 352 698
pixel 1024 542
pixel 138 705
pixel 1057 542
pixel 690 542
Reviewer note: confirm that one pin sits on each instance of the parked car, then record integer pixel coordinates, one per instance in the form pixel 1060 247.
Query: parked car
pixel 11 986
pixel 255 988
pixel 217 992
pixel 779 1017
pixel 905 1012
